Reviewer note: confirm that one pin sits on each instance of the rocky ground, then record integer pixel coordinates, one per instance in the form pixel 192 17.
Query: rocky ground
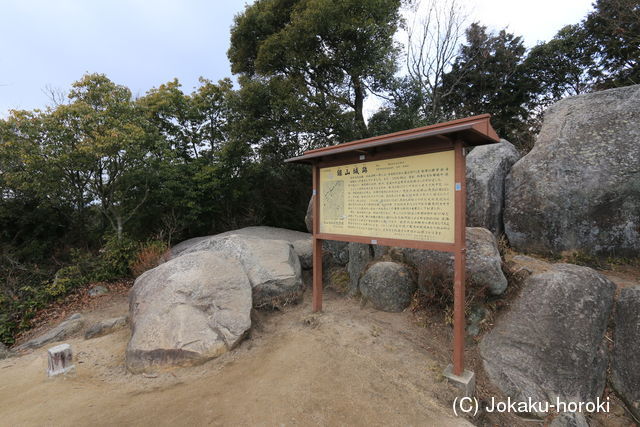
pixel 350 365
pixel 347 366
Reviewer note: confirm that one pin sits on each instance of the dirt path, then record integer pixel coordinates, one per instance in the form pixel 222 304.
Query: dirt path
pixel 348 366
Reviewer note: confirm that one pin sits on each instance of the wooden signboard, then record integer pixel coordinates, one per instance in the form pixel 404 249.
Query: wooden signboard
pixel 404 189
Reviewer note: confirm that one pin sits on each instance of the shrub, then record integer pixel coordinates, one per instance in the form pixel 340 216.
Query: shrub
pixel 150 255
pixel 435 290
pixel 115 257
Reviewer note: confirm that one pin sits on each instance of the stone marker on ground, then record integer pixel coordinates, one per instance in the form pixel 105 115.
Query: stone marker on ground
pixel 4 351
pixel 60 360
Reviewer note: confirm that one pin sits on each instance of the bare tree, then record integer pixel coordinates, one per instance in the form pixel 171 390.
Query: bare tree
pixel 56 96
pixel 433 39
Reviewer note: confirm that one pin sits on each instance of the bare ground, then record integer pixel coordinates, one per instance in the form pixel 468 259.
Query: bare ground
pixel 347 366
pixel 350 365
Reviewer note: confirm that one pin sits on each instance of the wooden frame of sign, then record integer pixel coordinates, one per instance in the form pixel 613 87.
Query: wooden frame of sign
pixel 403 189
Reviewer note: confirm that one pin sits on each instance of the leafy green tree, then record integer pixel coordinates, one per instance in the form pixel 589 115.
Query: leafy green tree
pixel 109 138
pixel 564 66
pixel 489 76
pixel 614 28
pixel 333 52
pixel 404 108
pixel 195 125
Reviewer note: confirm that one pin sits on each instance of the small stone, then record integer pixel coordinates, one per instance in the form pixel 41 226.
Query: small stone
pixel 97 291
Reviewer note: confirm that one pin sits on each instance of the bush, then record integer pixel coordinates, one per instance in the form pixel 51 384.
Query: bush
pixel 150 255
pixel 26 288
pixel 114 259
pixel 436 290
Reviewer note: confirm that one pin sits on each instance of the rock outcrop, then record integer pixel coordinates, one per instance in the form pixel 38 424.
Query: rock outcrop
pixel 272 266
pixel 551 343
pixel 262 232
pixel 579 188
pixel 335 253
pixel 625 363
pixel 360 255
pixel 304 249
pixel 72 325
pixel 187 310
pixel 4 351
pixel 389 286
pixel 105 327
pixel 487 168
pixel 483 262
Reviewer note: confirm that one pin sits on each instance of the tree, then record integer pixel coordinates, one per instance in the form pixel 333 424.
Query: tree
pixel 433 40
pixel 195 125
pixel 564 66
pixel 404 108
pixel 333 52
pixel 488 76
pixel 614 28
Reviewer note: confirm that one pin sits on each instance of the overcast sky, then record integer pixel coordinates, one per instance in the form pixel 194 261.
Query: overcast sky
pixel 142 44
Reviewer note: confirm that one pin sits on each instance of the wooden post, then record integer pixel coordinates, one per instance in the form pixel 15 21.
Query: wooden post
pixel 317 243
pixel 459 263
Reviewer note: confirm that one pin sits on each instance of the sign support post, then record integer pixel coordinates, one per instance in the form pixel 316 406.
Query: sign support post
pixel 459 261
pixel 317 242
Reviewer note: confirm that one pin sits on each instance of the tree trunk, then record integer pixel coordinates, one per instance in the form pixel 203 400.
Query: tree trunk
pixel 119 227
pixel 359 106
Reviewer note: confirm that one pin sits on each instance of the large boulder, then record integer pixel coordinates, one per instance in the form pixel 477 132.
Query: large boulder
pixel 579 188
pixel 308 218
pixel 304 249
pixel 487 168
pixel 336 254
pixel 63 330
pixel 389 286
pixel 187 310
pixel 105 327
pixel 272 266
pixel 360 255
pixel 263 232
pixel 483 262
pixel 625 364
pixel 551 344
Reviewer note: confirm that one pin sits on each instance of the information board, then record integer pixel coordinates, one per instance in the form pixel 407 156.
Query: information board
pixel 409 198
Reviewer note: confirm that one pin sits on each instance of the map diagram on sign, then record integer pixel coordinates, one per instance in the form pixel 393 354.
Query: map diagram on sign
pixel 333 200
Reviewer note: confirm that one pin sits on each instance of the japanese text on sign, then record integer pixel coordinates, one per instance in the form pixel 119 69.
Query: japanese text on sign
pixel 409 198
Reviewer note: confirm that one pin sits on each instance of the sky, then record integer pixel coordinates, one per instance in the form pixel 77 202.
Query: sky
pixel 48 44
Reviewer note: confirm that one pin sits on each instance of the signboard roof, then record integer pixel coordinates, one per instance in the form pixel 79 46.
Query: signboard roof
pixel 473 131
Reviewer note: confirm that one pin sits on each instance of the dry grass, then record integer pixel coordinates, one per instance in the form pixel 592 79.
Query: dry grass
pixel 149 256
pixel 435 291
